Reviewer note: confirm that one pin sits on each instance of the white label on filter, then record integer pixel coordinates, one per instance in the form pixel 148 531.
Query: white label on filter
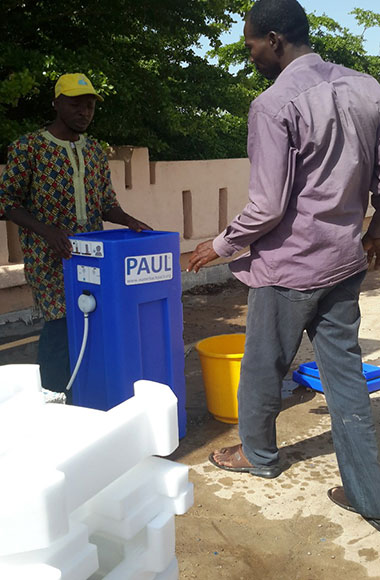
pixel 88 274
pixel 146 269
pixel 86 248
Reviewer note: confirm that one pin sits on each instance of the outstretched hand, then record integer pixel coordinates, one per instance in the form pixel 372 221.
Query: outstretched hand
pixel 372 247
pixel 202 255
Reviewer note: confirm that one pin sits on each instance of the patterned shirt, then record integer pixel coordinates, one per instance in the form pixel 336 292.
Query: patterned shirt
pixel 67 185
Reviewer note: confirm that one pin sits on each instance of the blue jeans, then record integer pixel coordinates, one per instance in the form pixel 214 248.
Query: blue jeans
pixel 276 320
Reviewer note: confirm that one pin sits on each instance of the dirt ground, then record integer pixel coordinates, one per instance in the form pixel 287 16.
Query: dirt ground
pixel 247 528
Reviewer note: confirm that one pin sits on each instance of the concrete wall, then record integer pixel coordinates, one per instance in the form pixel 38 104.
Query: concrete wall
pixel 195 198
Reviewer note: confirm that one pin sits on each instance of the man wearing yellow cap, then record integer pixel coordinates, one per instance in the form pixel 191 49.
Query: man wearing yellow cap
pixel 57 183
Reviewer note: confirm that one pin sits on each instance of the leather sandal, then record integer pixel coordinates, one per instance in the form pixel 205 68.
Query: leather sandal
pixel 337 495
pixel 237 462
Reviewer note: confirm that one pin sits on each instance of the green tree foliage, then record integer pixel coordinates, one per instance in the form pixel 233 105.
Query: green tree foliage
pixel 140 54
pixel 328 38
pixel 337 44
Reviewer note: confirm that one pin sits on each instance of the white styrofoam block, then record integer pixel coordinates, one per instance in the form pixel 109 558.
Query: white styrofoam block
pixel 29 572
pixel 161 542
pixel 93 452
pixel 152 475
pixel 161 404
pixel 32 506
pixel 21 399
pixel 148 552
pixel 121 510
pixel 72 554
pixel 125 572
pixel 171 572
pixel 89 447
pixel 70 462
pixel 81 564
pixel 110 552
pixel 17 378
pixel 144 575
pixel 141 514
pixel 123 495
pixel 57 552
pixel 130 526
pixel 120 559
pixel 181 504
pixel 170 478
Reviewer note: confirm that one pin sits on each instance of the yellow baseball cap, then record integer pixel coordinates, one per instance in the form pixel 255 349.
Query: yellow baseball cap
pixel 73 85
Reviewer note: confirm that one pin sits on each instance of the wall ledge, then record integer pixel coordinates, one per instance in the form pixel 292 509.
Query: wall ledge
pixel 218 274
pixel 28 316
pixel 12 275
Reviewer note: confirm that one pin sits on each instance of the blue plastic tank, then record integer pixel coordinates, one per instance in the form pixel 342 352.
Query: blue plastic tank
pixel 136 330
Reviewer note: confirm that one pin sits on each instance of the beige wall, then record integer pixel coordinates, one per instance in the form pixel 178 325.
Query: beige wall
pixel 194 198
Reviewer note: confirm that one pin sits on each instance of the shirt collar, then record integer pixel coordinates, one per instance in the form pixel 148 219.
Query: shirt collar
pixel 61 142
pixel 300 62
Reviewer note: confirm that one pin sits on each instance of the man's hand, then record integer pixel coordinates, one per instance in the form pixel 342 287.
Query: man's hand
pixel 117 216
pixel 203 254
pixel 58 241
pixel 56 238
pixel 136 225
pixel 372 247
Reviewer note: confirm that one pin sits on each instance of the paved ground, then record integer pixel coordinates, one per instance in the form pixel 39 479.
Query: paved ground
pixel 245 528
pixel 248 528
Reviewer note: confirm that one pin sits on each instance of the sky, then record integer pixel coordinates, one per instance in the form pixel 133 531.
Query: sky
pixel 338 10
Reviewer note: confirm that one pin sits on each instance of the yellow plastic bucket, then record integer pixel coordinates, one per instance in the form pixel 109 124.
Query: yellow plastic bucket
pixel 220 358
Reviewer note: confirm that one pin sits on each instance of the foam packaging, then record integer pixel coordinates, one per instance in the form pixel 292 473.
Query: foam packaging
pixel 83 493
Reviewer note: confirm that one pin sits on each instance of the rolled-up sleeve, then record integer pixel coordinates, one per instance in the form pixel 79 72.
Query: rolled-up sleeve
pixel 273 162
pixel 15 179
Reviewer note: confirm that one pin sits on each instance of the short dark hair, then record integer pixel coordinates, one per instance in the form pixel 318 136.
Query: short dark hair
pixel 286 17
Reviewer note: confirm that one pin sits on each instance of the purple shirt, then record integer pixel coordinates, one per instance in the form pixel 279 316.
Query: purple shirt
pixel 314 148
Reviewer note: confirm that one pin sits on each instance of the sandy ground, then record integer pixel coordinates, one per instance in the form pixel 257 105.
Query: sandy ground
pixel 246 528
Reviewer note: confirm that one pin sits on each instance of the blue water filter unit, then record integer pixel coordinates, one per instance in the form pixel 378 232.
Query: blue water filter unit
pixel 135 332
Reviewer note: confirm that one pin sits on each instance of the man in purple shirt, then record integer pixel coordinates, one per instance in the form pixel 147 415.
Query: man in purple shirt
pixel 314 148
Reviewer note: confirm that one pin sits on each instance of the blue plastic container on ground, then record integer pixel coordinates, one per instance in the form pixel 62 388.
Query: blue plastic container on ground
pixel 307 375
pixel 136 330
